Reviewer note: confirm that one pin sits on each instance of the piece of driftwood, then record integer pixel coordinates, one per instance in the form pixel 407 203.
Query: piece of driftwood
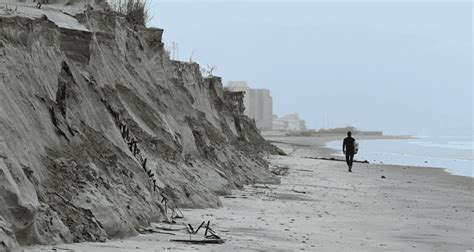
pixel 191 229
pixel 151 230
pixel 212 235
pixel 160 232
pixel 207 228
pixel 302 192
pixel 262 187
pixel 63 249
pixel 337 159
pixel 304 170
pixel 205 241
pixel 170 229
pixel 170 222
pixel 176 213
pixel 209 234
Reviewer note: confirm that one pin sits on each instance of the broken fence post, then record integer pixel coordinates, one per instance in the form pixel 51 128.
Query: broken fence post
pixel 207 228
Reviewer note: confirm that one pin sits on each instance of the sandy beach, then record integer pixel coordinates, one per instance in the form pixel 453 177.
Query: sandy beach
pixel 319 206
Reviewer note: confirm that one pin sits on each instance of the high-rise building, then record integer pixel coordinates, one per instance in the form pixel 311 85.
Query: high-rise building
pixel 261 108
pixel 258 103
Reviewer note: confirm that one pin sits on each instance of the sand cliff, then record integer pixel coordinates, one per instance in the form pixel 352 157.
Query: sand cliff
pixel 67 83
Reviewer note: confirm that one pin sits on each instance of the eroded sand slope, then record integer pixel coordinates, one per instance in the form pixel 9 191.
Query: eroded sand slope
pixel 66 173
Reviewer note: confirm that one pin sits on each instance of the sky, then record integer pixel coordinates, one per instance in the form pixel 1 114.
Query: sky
pixel 401 67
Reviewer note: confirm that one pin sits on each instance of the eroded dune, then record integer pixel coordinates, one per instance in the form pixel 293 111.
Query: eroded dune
pixel 66 171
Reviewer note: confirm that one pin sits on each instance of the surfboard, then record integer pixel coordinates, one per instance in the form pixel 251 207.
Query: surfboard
pixel 356 147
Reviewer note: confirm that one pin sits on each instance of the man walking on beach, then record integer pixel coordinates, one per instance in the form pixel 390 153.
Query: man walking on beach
pixel 348 149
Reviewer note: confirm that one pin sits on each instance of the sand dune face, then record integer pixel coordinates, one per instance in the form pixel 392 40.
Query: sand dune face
pixel 66 172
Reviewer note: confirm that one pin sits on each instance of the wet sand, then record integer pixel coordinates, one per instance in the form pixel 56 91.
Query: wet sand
pixel 315 146
pixel 319 206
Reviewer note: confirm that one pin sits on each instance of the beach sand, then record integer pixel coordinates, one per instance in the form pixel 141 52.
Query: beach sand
pixel 319 206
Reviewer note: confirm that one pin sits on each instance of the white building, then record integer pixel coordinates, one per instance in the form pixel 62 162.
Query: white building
pixel 258 103
pixel 291 122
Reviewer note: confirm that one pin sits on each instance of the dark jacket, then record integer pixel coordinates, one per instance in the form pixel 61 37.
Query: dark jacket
pixel 348 145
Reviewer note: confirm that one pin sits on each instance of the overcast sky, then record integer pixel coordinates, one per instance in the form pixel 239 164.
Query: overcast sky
pixel 400 67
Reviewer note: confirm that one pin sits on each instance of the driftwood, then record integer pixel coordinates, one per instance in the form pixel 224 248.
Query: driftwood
pixel 337 159
pixel 160 232
pixel 170 229
pixel 212 235
pixel 191 229
pixel 302 192
pixel 205 241
pixel 304 170
pixel 151 230
pixel 262 187
pixel 64 249
pixel 177 214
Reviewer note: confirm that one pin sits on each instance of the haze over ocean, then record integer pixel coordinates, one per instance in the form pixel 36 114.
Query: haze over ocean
pixel 400 67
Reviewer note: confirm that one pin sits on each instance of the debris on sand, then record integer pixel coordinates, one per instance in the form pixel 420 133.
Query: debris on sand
pixel 302 192
pixel 210 236
pixel 280 170
pixel 127 134
pixel 152 230
pixel 261 186
pixel 204 241
pixel 304 170
pixel 171 229
pixel 338 160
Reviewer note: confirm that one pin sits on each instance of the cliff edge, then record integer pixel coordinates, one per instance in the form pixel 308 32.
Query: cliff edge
pixel 98 126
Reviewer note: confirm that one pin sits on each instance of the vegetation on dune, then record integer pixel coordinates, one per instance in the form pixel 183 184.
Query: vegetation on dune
pixel 136 11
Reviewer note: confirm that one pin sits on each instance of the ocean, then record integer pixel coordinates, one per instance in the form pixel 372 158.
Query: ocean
pixel 455 154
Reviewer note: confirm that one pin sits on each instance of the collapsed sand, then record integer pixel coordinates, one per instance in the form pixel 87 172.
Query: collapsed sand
pixel 67 83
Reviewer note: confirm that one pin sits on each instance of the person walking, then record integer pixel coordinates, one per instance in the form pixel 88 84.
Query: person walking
pixel 348 148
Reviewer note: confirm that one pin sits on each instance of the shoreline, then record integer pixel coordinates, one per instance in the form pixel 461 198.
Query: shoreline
pixel 320 206
pixel 315 148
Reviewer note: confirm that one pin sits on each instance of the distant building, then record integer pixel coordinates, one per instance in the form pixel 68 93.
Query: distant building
pixel 291 122
pixel 279 124
pixel 258 103
pixel 261 108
